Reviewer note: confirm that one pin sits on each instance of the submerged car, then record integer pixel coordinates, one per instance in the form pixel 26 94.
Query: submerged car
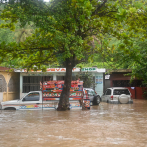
pixel 94 98
pixel 117 95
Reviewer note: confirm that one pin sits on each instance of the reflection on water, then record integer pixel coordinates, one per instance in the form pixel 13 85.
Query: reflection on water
pixel 104 125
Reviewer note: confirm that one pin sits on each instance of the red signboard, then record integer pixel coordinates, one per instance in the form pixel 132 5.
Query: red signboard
pixel 52 90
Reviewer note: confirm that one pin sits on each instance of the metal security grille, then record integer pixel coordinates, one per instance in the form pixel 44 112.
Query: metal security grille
pixel 3 84
pixel 74 78
pixel 126 83
pixel 13 85
pixel 32 83
pixel 60 78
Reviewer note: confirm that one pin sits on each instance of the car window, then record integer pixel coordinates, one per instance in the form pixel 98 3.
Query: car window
pixel 116 92
pixel 32 97
pixel 121 91
pixel 108 92
pixel 88 92
pixel 91 92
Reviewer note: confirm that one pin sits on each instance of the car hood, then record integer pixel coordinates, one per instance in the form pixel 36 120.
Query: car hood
pixel 12 101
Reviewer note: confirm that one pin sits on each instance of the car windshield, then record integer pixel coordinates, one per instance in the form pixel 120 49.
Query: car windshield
pixel 91 92
pixel 121 91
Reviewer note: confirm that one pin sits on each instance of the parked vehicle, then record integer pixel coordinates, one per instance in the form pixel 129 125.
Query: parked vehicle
pixel 48 98
pixel 94 98
pixel 117 95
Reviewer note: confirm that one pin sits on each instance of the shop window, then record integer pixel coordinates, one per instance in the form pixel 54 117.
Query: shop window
pixel 60 78
pixel 32 83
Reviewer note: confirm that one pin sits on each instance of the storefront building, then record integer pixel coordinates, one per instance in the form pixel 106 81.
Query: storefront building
pixel 30 81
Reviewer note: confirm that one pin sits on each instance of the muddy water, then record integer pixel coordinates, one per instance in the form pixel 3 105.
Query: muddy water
pixel 106 125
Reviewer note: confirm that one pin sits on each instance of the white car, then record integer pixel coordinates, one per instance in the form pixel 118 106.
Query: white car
pixel 117 95
pixel 94 98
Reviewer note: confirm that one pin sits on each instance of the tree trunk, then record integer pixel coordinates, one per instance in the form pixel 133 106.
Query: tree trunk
pixel 64 98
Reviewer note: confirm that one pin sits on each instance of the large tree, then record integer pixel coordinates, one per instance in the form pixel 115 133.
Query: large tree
pixel 67 31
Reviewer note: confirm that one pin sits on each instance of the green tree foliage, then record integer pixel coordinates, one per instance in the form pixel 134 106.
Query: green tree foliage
pixel 136 60
pixel 68 30
pixel 5 34
pixel 87 78
pixel 20 34
pixel 17 35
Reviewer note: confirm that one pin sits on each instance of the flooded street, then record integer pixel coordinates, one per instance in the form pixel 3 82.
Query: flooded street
pixel 105 125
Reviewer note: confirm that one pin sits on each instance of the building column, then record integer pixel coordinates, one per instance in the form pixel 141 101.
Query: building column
pixel 21 84
pixel 54 76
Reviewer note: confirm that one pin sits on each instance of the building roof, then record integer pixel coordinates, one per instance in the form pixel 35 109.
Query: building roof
pixel 5 69
pixel 118 70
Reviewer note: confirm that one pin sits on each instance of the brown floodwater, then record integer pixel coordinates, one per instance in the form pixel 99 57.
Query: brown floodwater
pixel 106 125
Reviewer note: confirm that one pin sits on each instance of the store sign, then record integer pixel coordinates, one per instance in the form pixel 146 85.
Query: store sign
pixel 107 76
pixel 49 70
pixel 56 69
pixel 99 79
pixel 61 69
pixel 89 69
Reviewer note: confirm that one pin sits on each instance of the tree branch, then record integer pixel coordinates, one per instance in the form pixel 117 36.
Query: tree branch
pixel 99 7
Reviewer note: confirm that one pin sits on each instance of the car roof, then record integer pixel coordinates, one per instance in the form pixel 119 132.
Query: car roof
pixel 87 88
pixel 117 88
